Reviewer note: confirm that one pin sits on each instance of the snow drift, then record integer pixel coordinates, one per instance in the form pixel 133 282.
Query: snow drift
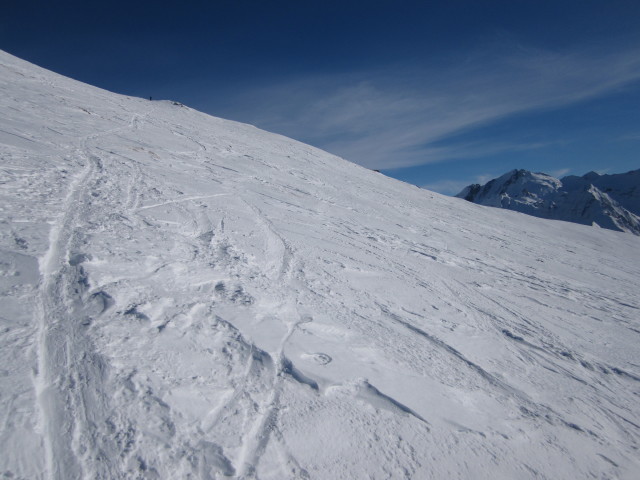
pixel 188 297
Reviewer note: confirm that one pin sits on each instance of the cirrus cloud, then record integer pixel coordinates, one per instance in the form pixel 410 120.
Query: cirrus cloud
pixel 404 115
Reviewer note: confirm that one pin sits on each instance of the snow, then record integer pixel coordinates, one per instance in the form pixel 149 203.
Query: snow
pixel 608 201
pixel 188 297
pixel 624 188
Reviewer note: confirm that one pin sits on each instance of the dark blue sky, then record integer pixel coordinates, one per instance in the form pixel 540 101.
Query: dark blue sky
pixel 440 94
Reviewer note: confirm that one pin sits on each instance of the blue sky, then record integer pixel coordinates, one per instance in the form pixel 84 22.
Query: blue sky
pixel 438 94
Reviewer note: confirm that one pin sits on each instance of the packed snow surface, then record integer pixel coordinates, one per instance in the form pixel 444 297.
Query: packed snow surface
pixel 188 297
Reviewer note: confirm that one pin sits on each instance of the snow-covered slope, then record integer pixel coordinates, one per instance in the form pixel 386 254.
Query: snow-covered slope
pixel 189 297
pixel 609 201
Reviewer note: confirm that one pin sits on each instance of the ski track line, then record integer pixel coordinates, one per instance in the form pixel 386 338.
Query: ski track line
pixel 287 255
pixel 67 369
pixel 180 200
pixel 539 411
pixel 265 425
pixel 52 316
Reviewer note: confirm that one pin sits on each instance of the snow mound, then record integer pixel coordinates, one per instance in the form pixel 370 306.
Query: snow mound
pixel 188 297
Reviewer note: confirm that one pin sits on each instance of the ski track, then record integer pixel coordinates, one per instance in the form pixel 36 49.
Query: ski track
pixel 70 373
pixel 265 425
pixel 216 302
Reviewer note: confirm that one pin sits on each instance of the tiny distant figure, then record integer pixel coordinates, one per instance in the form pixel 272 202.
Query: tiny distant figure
pixel 150 98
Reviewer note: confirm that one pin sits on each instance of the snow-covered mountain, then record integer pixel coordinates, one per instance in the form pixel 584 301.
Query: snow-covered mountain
pixel 188 297
pixel 609 201
pixel 624 188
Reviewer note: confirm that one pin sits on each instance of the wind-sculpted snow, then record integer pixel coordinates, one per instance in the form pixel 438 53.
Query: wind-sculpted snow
pixel 189 297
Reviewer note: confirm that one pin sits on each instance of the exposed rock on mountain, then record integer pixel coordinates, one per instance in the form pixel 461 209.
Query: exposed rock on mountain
pixel 186 297
pixel 609 201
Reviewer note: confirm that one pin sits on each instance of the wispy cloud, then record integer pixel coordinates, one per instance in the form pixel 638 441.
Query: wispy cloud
pixel 453 187
pixel 402 116
pixel 629 137
pixel 560 172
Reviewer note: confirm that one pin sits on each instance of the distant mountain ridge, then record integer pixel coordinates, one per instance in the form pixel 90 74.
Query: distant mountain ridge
pixel 183 296
pixel 609 201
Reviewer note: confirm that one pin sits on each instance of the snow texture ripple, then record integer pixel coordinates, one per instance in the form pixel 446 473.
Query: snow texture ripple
pixel 189 297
